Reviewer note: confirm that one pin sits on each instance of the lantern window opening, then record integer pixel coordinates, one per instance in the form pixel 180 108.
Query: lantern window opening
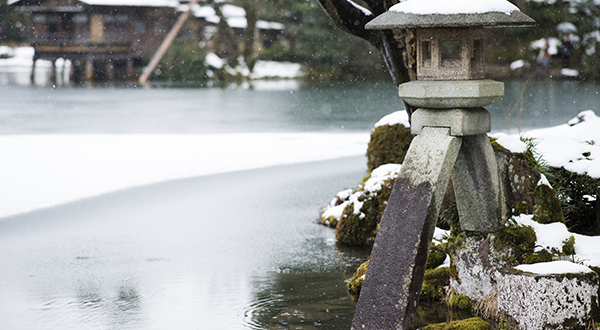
pixel 426 45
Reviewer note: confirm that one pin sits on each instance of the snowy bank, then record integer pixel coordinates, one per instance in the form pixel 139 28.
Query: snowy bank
pixel 41 171
pixel 574 146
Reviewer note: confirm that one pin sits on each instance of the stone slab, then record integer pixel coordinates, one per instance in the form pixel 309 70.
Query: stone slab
pixel 461 122
pixel 392 284
pixel 476 181
pixel 451 93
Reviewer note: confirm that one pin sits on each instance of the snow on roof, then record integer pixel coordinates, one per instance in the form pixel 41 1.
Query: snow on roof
pixel 574 146
pixel 141 3
pixel 425 7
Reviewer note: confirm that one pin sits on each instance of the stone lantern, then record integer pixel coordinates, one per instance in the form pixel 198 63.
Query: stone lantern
pixel 450 125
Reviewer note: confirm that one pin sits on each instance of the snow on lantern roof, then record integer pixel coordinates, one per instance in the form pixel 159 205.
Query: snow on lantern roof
pixel 444 13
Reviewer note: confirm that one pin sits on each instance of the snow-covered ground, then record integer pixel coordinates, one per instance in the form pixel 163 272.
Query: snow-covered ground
pixel 39 171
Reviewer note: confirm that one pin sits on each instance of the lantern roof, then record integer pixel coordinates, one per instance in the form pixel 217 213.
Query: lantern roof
pixel 444 13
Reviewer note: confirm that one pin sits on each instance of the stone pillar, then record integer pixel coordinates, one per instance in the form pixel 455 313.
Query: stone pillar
pixel 392 285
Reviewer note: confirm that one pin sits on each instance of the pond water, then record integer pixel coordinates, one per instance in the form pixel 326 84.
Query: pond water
pixel 229 251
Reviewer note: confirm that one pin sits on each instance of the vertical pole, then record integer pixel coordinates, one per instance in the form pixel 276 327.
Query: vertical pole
pixel 110 71
pixel 53 72
pixel 162 49
pixel 32 75
pixel 89 72
pixel 130 69
pixel 392 285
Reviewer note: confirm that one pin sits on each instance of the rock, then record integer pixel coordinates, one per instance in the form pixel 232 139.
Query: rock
pixel 565 301
pixel 482 271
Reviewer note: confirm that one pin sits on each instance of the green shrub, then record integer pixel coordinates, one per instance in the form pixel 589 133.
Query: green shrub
pixel 388 144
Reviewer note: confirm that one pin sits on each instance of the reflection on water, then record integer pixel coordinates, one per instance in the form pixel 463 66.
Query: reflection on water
pixel 538 104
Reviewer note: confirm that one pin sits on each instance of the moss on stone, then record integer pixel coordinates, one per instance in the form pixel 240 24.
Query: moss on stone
pixel 474 323
pixel 461 302
pixel 361 228
pixel 434 282
pixel 437 256
pixel 569 246
pixel 356 282
pixel 388 144
pixel 354 229
pixel 547 207
pixel 516 241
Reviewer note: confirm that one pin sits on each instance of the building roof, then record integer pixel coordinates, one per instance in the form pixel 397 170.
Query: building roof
pixel 139 3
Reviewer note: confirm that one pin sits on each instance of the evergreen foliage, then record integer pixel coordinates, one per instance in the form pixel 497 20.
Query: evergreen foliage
pixel 14 25
pixel 183 63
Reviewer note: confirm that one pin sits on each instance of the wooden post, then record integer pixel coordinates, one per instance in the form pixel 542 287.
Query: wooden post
pixel 110 71
pixel 89 72
pixel 53 72
pixel 32 75
pixel 166 44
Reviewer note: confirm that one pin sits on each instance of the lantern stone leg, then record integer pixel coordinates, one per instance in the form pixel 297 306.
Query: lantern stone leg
pixel 389 297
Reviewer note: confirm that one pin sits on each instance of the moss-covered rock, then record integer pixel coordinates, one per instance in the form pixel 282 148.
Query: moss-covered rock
pixel 474 323
pixel 460 302
pixel 437 256
pixel 547 208
pixel 515 243
pixel 358 222
pixel 356 282
pixel 388 144
pixel 355 228
pixel 434 282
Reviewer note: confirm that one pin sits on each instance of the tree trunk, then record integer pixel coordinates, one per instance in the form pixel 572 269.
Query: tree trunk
pixel 398 47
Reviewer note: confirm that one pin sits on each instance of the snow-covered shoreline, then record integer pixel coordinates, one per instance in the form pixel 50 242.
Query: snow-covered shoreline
pixel 40 171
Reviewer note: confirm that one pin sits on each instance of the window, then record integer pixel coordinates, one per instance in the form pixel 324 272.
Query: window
pixel 140 27
pixel 450 49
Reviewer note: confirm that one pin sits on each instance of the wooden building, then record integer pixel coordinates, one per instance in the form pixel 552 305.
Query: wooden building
pixel 103 39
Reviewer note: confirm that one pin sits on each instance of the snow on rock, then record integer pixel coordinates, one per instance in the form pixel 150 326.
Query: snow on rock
pixel 574 146
pixel 511 142
pixel 552 235
pixel 553 268
pixel 544 181
pixel 425 7
pixel 398 117
pixel 380 175
pixel 372 185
